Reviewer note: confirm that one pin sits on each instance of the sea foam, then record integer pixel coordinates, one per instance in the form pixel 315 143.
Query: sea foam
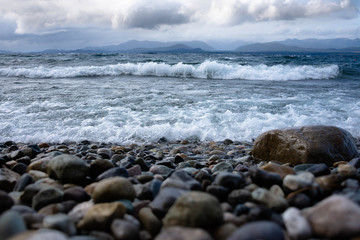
pixel 205 70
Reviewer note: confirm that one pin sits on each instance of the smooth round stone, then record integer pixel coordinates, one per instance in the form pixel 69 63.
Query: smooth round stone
pixel 296 225
pixel 41 234
pixel 104 153
pixel 19 168
pixel 263 178
pixel 68 169
pixel 77 194
pixel 181 233
pixel 99 166
pixel 164 200
pixel 222 167
pixel 11 224
pixel 150 222
pixel 230 180
pixel 329 182
pixel 319 169
pixel 16 154
pixel 134 171
pixel 113 172
pixel 239 196
pixel 100 216
pixel 269 199
pixel 278 169
pixel 335 217
pixel 301 180
pixel 24 181
pixel 224 231
pixel 79 211
pixel 195 209
pixel 8 179
pixel 112 189
pixel 145 177
pixel 186 177
pixel 203 175
pixel 6 201
pixel 355 162
pixel 264 230
pixel 61 222
pixel 219 192
pixel 161 170
pixel 346 170
pixel 300 201
pixel 47 196
pixel 36 175
pixel 241 209
pixel 124 230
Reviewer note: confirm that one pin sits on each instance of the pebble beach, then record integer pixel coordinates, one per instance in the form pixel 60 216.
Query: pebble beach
pixel 182 189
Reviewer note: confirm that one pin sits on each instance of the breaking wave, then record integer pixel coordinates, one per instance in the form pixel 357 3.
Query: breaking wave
pixel 205 70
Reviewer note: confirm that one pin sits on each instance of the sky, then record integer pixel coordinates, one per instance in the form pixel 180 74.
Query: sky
pixel 34 25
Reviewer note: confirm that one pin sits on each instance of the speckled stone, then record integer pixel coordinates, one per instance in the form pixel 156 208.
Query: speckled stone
pixel 112 189
pixel 195 209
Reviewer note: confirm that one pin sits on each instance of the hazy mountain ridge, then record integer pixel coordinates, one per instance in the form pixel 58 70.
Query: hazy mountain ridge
pixel 289 45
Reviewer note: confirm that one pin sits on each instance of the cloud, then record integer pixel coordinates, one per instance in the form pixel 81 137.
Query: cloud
pixel 236 12
pixel 50 16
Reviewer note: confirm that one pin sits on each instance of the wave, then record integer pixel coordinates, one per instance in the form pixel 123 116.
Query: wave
pixel 205 70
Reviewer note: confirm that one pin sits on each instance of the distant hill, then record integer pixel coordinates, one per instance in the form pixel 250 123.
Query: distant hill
pixel 177 48
pixel 308 47
pixel 269 47
pixel 130 46
pixel 4 52
pixel 335 43
pixel 227 46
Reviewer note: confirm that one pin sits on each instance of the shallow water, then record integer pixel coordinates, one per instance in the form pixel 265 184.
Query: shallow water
pixel 127 98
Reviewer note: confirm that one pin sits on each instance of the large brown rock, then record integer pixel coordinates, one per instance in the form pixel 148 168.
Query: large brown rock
pixel 310 144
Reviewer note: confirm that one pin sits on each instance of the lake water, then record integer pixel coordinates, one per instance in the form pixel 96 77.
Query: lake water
pixel 129 98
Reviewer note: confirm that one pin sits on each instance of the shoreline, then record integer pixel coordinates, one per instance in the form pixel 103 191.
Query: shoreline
pixel 142 191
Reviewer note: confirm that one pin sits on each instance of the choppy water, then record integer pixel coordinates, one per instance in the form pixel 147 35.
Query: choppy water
pixel 142 97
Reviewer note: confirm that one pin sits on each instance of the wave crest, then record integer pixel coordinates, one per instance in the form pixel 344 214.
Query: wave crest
pixel 205 70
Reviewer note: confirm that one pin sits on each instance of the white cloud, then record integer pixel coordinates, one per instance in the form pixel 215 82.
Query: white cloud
pixel 39 16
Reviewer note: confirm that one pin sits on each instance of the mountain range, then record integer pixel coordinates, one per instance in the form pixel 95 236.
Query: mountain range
pixel 289 45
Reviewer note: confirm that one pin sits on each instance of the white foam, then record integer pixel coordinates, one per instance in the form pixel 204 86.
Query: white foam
pixel 207 69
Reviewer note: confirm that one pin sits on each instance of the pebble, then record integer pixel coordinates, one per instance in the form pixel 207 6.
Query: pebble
pixel 269 199
pixel 150 221
pixel 203 190
pixel 47 196
pixel 297 226
pixel 264 230
pixel 113 172
pixel 100 216
pixel 68 169
pixel 301 180
pixel 230 180
pixel 264 178
pixel 8 179
pixel 195 209
pixel 335 217
pixel 61 222
pixel 278 169
pixel 180 233
pixel 6 201
pixel 124 230
pixel 112 189
pixel 222 167
pixel 11 224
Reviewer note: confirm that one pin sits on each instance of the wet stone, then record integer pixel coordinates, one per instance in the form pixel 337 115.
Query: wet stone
pixel 11 224
pixel 113 172
pixel 77 194
pixel 319 169
pixel 180 233
pixel 99 166
pixel 6 201
pixel 230 180
pixel 100 216
pixel 24 181
pixel 124 230
pixel 264 230
pixel 47 196
pixel 195 209
pixel 222 167
pixel 264 178
pixel 112 189
pixel 60 222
